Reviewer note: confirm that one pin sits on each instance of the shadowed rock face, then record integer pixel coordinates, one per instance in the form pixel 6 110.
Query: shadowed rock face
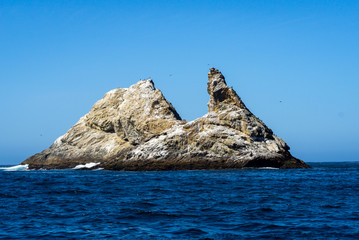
pixel 136 128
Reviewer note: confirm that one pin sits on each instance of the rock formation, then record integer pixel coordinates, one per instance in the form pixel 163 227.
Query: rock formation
pixel 136 128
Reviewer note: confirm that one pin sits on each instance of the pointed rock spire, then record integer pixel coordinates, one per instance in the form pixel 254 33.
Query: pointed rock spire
pixel 231 110
pixel 220 94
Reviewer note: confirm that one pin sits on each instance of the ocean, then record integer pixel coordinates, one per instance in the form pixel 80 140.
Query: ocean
pixel 317 203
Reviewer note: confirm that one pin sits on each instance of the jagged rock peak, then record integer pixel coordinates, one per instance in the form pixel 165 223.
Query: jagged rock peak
pixel 220 94
pixel 133 113
pixel 145 84
pixel 215 74
pixel 230 109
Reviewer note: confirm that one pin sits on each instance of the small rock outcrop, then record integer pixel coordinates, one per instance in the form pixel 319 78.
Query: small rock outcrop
pixel 136 128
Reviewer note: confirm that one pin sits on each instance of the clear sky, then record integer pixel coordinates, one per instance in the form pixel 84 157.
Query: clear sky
pixel 294 63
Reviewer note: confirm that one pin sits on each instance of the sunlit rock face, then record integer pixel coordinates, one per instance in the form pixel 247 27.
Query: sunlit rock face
pixel 136 128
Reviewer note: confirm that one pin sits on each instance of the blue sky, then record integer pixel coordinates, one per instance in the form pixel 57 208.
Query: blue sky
pixel 294 63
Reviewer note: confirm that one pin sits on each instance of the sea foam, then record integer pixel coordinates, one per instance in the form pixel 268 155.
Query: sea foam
pixel 24 167
pixel 87 165
pixel 267 168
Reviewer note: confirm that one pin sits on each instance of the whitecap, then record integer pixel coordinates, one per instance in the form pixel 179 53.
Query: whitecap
pixel 267 168
pixel 20 167
pixel 87 165
pixel 98 169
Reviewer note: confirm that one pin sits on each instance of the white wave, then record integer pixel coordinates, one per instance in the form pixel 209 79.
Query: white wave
pixel 24 167
pixel 98 169
pixel 267 168
pixel 87 165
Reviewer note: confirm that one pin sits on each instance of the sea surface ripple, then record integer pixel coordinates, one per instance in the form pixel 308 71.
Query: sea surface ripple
pixel 318 203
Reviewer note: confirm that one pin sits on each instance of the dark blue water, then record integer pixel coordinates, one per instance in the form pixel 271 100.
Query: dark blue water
pixel 318 203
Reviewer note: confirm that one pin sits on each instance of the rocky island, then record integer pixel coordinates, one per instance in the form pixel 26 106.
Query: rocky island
pixel 137 129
